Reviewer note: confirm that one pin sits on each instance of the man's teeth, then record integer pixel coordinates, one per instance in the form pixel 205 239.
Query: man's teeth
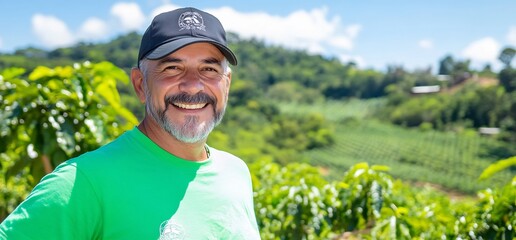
pixel 190 106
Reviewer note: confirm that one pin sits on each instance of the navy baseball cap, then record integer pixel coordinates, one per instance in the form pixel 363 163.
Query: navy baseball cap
pixel 170 31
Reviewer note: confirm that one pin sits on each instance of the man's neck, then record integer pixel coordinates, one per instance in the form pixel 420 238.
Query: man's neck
pixel 188 151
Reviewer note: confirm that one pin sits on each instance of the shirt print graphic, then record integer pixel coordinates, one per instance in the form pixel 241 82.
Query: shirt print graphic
pixel 170 230
pixel 223 226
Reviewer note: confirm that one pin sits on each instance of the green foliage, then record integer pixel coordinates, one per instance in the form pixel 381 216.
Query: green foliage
pixel 414 214
pixel 289 201
pixel 417 111
pixel 300 132
pixel 13 190
pixel 294 202
pixel 470 107
pixel 332 110
pixel 52 115
pixel 428 156
pixel 292 91
pixel 508 79
pixel 364 190
pixel 496 214
pixel 29 60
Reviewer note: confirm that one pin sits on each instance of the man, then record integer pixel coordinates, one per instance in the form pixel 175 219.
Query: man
pixel 159 180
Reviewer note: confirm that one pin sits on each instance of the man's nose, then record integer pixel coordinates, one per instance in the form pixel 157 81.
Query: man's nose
pixel 191 83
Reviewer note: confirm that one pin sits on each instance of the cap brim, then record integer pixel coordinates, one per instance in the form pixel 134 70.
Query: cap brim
pixel 172 46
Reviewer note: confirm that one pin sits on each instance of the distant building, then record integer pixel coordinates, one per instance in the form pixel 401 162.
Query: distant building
pixel 426 89
pixel 443 77
pixel 489 130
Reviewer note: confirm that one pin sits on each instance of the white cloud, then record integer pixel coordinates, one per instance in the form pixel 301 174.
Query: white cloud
pixel 345 41
pixel 511 36
pixel 51 31
pixel 129 15
pixel 1 43
pixel 312 30
pixel 93 29
pixel 482 50
pixel 425 44
pixel 353 30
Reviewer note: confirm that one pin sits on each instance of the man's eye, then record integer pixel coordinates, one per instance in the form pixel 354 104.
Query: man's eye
pixel 210 69
pixel 170 67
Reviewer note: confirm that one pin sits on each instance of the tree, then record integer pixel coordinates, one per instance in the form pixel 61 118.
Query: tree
pixel 31 52
pixel 458 70
pixel 507 55
pixel 508 79
pixel 446 65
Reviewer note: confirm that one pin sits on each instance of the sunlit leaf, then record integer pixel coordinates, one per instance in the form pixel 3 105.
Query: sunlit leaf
pixel 380 168
pixel 40 72
pixel 497 167
pixel 108 69
pixel 64 71
pixel 10 73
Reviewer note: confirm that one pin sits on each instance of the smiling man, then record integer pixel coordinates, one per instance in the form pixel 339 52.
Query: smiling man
pixel 159 180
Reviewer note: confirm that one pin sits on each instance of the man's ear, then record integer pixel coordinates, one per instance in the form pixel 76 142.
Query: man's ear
pixel 229 78
pixel 137 80
pixel 228 82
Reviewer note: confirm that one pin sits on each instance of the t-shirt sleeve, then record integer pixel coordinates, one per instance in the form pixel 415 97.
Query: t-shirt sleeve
pixel 62 206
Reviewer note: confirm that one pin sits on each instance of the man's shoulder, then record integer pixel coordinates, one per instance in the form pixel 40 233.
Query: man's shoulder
pixel 227 159
pixel 216 153
pixel 122 147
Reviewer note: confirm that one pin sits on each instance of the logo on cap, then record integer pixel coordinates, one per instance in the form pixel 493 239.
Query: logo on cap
pixel 191 20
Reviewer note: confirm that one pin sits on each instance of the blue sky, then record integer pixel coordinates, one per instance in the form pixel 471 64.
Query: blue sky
pixel 373 33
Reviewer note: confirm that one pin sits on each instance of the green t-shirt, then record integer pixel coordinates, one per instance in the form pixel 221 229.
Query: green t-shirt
pixel 133 189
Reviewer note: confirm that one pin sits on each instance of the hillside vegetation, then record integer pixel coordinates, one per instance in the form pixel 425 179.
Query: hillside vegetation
pixel 449 159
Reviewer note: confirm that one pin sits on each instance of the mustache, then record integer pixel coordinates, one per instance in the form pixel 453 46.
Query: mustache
pixel 187 98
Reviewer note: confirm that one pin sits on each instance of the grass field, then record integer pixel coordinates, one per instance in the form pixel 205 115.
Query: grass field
pixel 451 160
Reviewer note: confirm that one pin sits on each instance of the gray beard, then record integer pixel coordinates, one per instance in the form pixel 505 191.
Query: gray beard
pixel 192 131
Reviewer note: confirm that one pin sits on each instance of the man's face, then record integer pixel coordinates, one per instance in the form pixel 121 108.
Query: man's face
pixel 186 92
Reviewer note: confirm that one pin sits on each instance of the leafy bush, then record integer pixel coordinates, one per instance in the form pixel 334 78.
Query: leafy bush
pixel 295 202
